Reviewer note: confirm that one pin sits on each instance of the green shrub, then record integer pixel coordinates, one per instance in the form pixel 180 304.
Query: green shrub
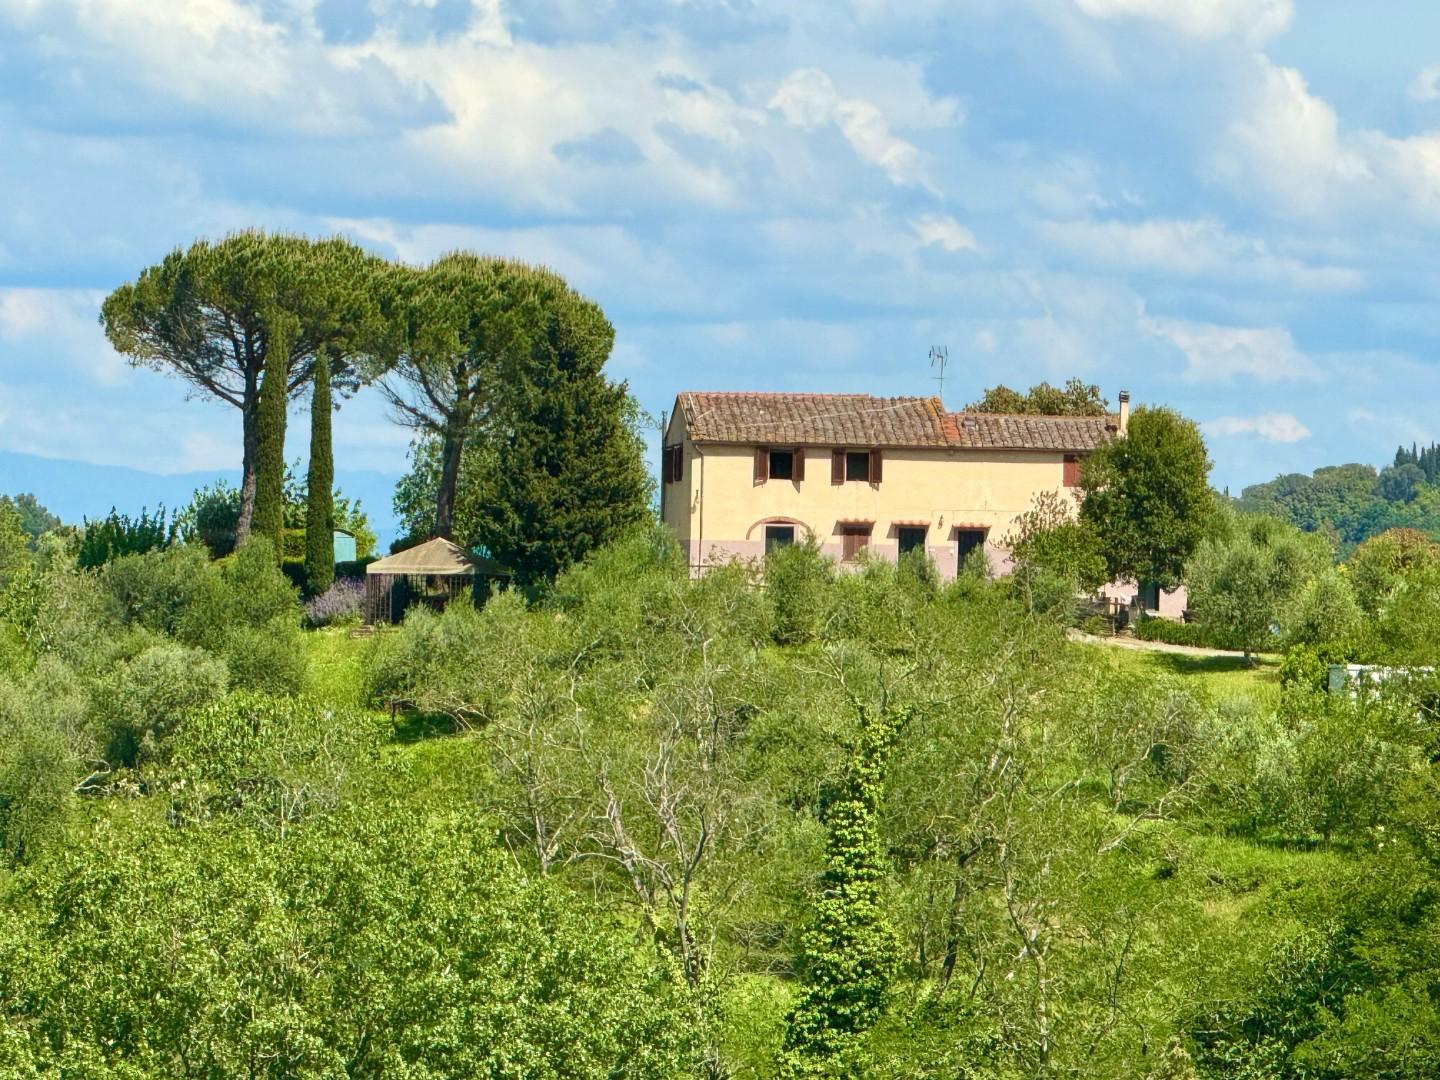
pixel 797 577
pixel 142 701
pixel 154 589
pixel 1179 633
pixel 1302 667
pixel 120 534
pixel 41 715
pixel 245 612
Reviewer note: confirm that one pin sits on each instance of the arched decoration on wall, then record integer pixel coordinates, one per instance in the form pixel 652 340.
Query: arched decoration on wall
pixel 750 532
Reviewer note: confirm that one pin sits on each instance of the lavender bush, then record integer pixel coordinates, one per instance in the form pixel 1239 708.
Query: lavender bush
pixel 341 603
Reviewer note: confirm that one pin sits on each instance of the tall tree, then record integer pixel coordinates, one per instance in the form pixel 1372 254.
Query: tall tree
pixel 1148 498
pixel 201 314
pixel 319 484
pixel 457 317
pixel 269 479
pixel 568 472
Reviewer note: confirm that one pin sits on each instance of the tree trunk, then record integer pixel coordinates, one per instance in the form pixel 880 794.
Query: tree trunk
pixel 250 438
pixel 320 485
pixel 450 451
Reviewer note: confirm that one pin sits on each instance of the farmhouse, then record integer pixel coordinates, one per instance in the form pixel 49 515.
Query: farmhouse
pixel 744 472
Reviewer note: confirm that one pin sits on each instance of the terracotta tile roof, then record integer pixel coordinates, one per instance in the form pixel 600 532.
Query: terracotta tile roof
pixel 1004 431
pixel 860 420
pixel 857 420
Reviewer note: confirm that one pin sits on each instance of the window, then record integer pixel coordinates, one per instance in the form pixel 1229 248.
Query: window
pixel 1149 596
pixel 779 464
pixel 1072 470
pixel 967 541
pixel 782 465
pixel 674 463
pixel 778 536
pixel 853 540
pixel 911 537
pixel 861 465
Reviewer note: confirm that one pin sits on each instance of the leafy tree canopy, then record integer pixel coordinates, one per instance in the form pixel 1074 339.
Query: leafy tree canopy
pixel 1147 497
pixel 1076 398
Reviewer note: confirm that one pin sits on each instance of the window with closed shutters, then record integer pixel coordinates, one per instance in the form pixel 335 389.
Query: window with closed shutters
pixel 1072 470
pixel 853 540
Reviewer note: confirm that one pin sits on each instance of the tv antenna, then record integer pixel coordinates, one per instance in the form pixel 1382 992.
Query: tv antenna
pixel 939 358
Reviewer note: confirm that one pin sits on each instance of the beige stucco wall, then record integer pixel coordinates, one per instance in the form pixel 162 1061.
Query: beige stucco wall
pixel 719 512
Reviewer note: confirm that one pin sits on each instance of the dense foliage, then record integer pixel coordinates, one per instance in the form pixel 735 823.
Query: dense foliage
pixel 1075 398
pixel 1147 497
pixel 775 821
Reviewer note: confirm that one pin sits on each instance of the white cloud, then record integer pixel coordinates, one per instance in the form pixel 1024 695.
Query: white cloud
pixel 1273 427
pixel 1221 353
pixel 1192 248
pixel 1426 86
pixel 807 99
pixel 63 323
pixel 945 232
pixel 1254 20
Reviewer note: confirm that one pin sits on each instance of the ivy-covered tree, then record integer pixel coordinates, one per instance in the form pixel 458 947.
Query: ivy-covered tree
pixel 851 952
pixel 319 486
pixel 1147 497
pixel 204 314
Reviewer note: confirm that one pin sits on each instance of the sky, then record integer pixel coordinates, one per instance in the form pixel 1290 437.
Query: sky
pixel 1229 207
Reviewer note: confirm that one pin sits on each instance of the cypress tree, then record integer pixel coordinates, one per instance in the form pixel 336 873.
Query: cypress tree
pixel 269 517
pixel 850 953
pixel 320 484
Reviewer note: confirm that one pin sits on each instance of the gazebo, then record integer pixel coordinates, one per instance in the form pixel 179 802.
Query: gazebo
pixel 432 573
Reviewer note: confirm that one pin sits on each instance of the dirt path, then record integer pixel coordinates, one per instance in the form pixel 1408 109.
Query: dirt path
pixel 1148 646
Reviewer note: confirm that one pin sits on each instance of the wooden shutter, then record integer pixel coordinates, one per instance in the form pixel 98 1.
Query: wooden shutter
pixel 837 466
pixel 762 464
pixel 677 462
pixel 798 472
pixel 875 465
pixel 1072 471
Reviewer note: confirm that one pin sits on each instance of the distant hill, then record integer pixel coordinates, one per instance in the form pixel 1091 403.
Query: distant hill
pixel 78 489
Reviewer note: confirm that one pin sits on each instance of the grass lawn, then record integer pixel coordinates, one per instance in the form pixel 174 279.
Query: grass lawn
pixel 1222 677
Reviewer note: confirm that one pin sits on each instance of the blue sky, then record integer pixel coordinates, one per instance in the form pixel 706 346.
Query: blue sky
pixel 1227 206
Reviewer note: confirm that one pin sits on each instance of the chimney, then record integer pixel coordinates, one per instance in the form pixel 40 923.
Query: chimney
pixel 1124 411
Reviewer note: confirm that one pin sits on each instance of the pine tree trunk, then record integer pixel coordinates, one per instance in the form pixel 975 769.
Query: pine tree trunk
pixel 450 453
pixel 320 484
pixel 250 439
pixel 268 519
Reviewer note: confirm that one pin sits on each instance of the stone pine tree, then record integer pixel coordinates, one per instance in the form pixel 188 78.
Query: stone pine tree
pixel 200 314
pixel 850 953
pixel 457 319
pixel 567 472
pixel 1147 497
pixel 320 486
pixel 268 515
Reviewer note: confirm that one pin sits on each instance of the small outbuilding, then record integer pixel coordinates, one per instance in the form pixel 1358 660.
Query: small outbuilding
pixel 432 573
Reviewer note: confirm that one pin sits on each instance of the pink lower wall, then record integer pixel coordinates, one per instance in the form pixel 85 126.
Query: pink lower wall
pixel 945 556
pixel 1172 602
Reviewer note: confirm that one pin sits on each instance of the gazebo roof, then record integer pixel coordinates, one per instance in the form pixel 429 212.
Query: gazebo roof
pixel 434 557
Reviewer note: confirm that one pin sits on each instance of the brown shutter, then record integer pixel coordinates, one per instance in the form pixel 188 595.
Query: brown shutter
pixel 837 466
pixel 677 463
pixel 1072 471
pixel 875 465
pixel 762 464
pixel 798 473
